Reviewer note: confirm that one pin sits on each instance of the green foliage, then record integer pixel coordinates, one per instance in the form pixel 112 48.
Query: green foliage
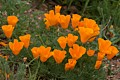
pixel 4 68
pixel 82 71
pixel 14 72
pixel 101 11
pixel 104 12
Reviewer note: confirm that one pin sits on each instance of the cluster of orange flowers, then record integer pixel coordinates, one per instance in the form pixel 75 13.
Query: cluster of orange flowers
pixel 105 48
pixel 70 39
pixel 76 52
pixel 45 53
pixel 87 29
pixel 16 46
pixel 54 18
pixel 8 29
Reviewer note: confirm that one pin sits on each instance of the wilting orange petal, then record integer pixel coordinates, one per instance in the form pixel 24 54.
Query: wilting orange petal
pixel 90 52
pixel 12 20
pixel 70 65
pixel 3 44
pixel 59 55
pixel 7 29
pixel 26 40
pixel 98 64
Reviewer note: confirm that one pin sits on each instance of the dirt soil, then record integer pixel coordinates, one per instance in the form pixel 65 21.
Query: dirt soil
pixel 114 71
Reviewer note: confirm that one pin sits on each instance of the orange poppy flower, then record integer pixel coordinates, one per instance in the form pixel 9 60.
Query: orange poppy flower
pixel 77 51
pixel 98 64
pixel 113 51
pixel 70 65
pixel 71 39
pixel 62 42
pixel 64 21
pixel 12 20
pixel 57 9
pixel 16 46
pixel 100 56
pixel 7 29
pixel 59 55
pixel 90 52
pixel 35 52
pixel 89 23
pixel 85 34
pixel 75 20
pixel 51 18
pixel 44 53
pixel 25 39
pixel 104 45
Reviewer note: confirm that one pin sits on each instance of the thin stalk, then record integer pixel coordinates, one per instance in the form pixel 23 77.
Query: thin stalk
pixel 37 70
pixel 31 61
pixel 5 49
pixel 29 71
pixel 86 4
pixel 70 4
pixel 41 40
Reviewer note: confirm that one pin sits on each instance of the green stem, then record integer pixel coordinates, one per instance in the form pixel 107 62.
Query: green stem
pixel 31 61
pixel 5 49
pixel 37 70
pixel 29 71
pixel 41 40
pixel 70 4
pixel 86 4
